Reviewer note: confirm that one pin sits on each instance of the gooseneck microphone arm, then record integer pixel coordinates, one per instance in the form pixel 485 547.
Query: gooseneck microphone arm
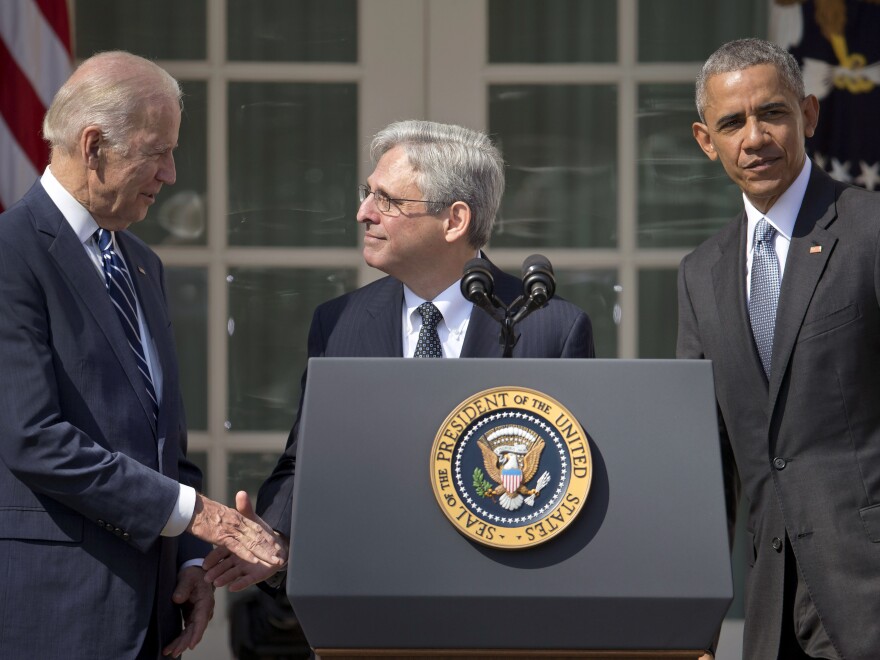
pixel 478 286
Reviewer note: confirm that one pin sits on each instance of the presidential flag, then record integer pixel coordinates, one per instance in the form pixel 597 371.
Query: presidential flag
pixel 837 45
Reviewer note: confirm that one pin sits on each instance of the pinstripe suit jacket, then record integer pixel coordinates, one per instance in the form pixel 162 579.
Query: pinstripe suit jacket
pixel 367 323
pixel 87 478
pixel 806 444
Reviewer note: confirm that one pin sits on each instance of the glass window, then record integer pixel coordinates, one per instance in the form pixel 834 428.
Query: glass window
pixel 269 315
pixel 200 458
pixel 597 292
pixel 560 146
pixel 150 28
pixel 292 164
pixel 247 472
pixel 690 30
pixel 658 312
pixel 187 291
pixel 292 30
pixel 683 197
pixel 179 216
pixel 549 31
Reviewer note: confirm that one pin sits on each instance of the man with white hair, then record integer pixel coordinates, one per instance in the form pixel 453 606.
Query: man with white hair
pixel 102 530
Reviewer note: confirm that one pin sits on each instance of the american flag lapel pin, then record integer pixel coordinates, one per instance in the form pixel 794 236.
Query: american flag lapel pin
pixel 143 272
pixel 815 249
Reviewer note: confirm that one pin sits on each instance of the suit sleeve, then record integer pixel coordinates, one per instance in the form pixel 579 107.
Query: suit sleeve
pixel 44 450
pixel 689 346
pixel 275 497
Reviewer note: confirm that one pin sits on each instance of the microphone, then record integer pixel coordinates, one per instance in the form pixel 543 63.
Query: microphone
pixel 539 284
pixel 477 283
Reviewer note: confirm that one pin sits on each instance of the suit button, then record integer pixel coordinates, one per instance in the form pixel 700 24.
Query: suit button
pixel 101 523
pixel 126 536
pixel 779 463
pixel 776 544
pixel 118 532
pixel 108 527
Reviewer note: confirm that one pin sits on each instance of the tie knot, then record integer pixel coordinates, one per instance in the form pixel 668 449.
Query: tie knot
pixel 105 239
pixel 763 231
pixel 430 314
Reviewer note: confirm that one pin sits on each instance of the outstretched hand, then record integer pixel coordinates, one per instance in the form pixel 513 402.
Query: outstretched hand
pixel 246 537
pixel 224 568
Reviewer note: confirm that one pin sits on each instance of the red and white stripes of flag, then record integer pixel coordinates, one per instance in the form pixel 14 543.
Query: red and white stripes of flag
pixel 35 60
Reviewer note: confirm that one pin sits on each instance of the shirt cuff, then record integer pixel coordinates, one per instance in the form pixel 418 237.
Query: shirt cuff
pixel 182 513
pixel 192 562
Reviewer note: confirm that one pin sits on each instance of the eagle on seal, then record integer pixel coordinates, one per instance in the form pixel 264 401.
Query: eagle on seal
pixel 510 467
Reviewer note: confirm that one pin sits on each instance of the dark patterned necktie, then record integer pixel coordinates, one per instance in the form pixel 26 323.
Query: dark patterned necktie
pixel 428 345
pixel 121 290
pixel 764 292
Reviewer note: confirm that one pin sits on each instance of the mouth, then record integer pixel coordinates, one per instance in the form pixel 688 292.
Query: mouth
pixel 761 164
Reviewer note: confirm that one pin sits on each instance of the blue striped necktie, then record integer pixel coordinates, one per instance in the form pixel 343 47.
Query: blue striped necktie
pixel 764 292
pixel 121 290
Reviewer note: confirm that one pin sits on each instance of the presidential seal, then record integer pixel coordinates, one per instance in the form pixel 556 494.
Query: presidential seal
pixel 511 467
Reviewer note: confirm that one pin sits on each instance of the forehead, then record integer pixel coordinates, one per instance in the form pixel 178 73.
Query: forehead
pixel 158 121
pixel 756 85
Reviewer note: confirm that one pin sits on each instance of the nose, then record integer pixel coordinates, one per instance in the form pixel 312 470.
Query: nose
pixel 755 136
pixel 367 211
pixel 167 172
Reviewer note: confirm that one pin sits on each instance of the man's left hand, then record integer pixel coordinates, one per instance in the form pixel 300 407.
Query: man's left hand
pixel 196 597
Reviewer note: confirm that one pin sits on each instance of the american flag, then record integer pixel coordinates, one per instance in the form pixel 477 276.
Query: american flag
pixel 35 60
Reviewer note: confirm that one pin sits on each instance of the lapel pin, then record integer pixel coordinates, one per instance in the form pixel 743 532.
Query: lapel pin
pixel 143 272
pixel 815 249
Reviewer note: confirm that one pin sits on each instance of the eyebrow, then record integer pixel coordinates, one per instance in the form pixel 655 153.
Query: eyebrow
pixel 773 105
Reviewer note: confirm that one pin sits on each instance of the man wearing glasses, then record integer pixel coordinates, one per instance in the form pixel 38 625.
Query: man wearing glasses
pixel 427 209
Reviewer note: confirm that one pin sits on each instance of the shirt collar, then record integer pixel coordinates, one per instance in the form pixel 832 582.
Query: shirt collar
pixel 784 212
pixel 456 310
pixel 79 219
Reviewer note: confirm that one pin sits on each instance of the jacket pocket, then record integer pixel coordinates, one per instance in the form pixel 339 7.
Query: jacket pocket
pixel 40 525
pixel 830 321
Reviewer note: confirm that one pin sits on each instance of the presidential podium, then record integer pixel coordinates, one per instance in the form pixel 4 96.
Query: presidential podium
pixel 377 569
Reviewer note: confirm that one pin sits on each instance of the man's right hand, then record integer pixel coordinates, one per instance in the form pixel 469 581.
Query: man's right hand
pixel 224 569
pixel 250 540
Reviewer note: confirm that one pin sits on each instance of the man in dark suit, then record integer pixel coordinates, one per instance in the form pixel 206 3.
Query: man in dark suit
pixel 427 209
pixel 99 510
pixel 784 301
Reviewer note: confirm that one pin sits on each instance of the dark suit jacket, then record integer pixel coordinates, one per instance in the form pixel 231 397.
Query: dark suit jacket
pixel 806 445
pixel 87 480
pixel 367 323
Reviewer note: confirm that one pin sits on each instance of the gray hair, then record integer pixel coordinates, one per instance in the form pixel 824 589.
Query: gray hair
pixel 742 54
pixel 109 90
pixel 452 164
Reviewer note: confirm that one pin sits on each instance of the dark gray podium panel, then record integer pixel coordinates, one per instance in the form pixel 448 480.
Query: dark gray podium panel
pixel 375 564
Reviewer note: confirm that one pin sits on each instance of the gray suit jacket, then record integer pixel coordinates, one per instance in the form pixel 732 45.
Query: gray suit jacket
pixel 806 445
pixel 87 479
pixel 367 323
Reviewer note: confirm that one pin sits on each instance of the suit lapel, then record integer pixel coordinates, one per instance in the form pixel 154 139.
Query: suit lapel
pixel 68 253
pixel 382 334
pixel 729 282
pixel 803 269
pixel 152 305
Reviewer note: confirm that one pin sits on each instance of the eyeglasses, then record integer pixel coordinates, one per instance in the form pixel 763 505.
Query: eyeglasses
pixel 383 201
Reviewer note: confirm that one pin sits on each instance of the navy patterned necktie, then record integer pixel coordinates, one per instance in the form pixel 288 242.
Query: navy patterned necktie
pixel 764 292
pixel 428 345
pixel 121 290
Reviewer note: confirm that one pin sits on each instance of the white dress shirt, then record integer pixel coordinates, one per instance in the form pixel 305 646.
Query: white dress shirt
pixel 781 216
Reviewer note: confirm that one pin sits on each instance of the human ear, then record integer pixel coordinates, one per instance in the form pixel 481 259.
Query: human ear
pixel 91 144
pixel 458 222
pixel 704 139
